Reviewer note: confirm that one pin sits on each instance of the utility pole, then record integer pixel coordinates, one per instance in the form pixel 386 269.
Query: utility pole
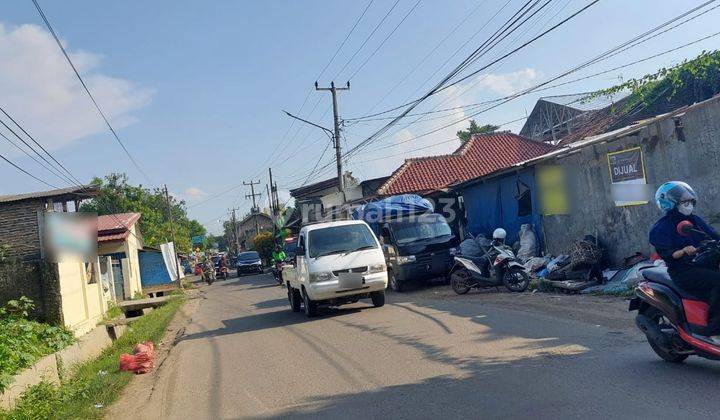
pixel 272 192
pixel 336 140
pixel 172 235
pixel 254 207
pixel 270 203
pixel 234 228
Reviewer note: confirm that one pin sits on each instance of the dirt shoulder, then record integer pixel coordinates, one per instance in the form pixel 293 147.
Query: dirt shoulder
pixel 608 311
pixel 139 391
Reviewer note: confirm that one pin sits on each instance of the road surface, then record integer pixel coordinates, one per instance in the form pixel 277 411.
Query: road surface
pixel 246 355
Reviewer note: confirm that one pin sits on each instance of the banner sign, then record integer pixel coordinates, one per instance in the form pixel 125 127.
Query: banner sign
pixel 627 175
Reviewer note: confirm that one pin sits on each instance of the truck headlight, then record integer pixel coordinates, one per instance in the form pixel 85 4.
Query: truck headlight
pixel 321 276
pixel 404 259
pixel 376 268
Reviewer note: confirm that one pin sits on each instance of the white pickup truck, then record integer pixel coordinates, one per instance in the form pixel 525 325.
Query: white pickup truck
pixel 336 263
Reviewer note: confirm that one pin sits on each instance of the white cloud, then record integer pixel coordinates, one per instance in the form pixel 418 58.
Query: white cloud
pixel 194 193
pixel 405 142
pixel 41 91
pixel 508 83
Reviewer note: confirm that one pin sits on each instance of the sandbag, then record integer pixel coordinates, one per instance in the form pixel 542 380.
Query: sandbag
pixel 528 243
pixel 141 361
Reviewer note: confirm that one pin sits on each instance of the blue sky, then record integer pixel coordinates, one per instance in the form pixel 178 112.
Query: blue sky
pixel 196 89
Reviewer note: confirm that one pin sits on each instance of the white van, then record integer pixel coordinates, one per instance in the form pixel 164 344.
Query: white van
pixel 336 263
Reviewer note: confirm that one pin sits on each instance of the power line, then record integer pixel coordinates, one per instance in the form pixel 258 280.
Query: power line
pixel 26 172
pixel 342 44
pixel 87 90
pixel 619 48
pixel 429 54
pixel 367 39
pixel 417 3
pixel 440 85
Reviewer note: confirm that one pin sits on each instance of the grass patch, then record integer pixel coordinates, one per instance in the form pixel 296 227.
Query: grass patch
pixel 97 383
pixel 24 341
pixel 113 312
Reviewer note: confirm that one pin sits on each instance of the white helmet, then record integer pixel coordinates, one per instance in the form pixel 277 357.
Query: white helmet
pixel 499 233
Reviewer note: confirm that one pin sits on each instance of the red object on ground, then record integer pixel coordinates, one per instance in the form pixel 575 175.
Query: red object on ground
pixel 141 361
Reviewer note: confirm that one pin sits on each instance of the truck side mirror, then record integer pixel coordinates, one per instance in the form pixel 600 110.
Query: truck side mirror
pixel 300 251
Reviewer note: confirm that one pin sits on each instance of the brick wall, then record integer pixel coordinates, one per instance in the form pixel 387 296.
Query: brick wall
pixel 19 228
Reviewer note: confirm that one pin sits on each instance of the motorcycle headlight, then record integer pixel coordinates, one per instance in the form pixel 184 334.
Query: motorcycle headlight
pixel 321 276
pixel 404 259
pixel 376 268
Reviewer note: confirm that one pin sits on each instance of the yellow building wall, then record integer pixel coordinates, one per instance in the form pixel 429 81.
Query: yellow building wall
pixel 130 247
pixel 83 304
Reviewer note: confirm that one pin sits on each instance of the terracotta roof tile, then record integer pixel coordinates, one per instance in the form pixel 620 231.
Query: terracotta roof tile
pixel 482 155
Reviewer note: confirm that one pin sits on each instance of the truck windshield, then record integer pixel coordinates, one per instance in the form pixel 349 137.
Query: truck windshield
pixel 420 228
pixel 339 239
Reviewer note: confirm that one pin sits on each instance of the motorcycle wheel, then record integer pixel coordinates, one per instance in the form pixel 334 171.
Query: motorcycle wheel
pixel 459 281
pixel 658 318
pixel 516 280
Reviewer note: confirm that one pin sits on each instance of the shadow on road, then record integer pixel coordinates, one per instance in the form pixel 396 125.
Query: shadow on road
pixel 524 366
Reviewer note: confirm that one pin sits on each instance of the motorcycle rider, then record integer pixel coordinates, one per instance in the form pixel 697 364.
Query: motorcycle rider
pixel 278 257
pixel 677 200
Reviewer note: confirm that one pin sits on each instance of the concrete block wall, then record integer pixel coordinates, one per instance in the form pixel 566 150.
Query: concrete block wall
pixel 624 230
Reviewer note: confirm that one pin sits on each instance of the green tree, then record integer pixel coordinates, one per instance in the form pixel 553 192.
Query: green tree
pixel 688 82
pixel 465 135
pixel 264 244
pixel 118 196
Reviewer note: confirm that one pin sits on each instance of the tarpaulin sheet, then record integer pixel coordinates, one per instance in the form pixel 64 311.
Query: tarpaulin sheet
pixel 494 203
pixel 392 208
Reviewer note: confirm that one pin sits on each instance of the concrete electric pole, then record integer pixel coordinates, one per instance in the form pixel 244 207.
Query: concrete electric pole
pixel 254 207
pixel 235 232
pixel 336 137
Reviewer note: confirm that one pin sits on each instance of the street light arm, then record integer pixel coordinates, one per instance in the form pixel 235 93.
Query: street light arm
pixel 308 122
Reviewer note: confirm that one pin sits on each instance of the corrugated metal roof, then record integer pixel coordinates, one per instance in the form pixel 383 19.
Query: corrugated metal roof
pixel 81 192
pixel 116 227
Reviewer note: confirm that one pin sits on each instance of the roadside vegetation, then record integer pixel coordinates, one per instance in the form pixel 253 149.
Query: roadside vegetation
pixel 24 341
pixel 95 384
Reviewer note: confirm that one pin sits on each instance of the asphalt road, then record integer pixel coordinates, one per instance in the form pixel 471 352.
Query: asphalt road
pixel 246 355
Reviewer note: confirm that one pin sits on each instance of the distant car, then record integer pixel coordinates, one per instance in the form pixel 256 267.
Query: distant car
pixel 249 263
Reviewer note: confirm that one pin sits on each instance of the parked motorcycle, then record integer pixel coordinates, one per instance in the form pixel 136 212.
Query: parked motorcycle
pixel 503 269
pixel 674 320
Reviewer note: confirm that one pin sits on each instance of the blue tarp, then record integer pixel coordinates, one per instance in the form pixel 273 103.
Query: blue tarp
pixel 152 269
pixel 493 204
pixel 391 208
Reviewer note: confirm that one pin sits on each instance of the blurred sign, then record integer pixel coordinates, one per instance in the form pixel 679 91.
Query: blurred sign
pixel 197 240
pixel 627 175
pixel 552 185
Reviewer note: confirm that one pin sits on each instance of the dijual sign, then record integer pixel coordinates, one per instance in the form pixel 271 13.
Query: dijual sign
pixel 627 175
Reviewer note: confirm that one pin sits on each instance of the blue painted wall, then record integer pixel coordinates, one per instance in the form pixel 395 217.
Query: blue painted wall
pixel 493 204
pixel 152 269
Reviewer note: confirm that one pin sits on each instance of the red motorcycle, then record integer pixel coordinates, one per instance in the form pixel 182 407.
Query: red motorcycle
pixel 674 320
